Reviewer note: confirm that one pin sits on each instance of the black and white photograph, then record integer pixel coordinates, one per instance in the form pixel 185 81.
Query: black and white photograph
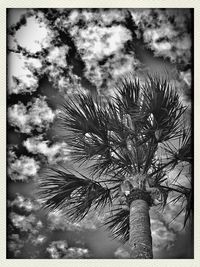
pixel 100 142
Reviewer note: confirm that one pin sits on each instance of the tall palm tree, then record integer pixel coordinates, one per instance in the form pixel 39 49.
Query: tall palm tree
pixel 127 143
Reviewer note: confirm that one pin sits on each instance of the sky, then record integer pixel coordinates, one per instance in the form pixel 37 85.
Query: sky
pixel 56 52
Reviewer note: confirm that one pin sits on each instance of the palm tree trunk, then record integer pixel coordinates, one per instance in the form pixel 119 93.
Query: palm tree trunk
pixel 140 239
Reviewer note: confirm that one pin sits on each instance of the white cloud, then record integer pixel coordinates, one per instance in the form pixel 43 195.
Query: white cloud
pixel 23 203
pixel 36 115
pixel 67 84
pixel 122 253
pixel 22 168
pixel 57 55
pixel 59 249
pixel 34 35
pixel 97 42
pixel 20 77
pixel 110 15
pixel 77 253
pixel 24 223
pixel 54 153
pixel 139 15
pixel 186 76
pixel 40 239
pixel 176 43
pixel 104 17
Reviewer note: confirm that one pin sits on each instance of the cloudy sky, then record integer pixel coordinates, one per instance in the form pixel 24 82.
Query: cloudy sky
pixel 58 51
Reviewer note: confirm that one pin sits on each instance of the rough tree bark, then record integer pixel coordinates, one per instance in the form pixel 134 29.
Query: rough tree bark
pixel 140 239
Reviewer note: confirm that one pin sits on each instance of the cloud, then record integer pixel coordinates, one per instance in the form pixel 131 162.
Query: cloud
pixel 25 223
pixel 22 203
pixel 57 56
pixel 26 244
pixel 36 115
pixel 22 168
pixel 102 17
pixel 69 84
pixel 54 153
pixel 165 32
pixel 25 228
pixel 163 237
pixel 15 244
pixel 186 76
pixel 59 72
pixel 59 249
pixel 40 239
pixel 102 50
pixel 97 42
pixel 58 221
pixel 122 253
pixel 20 77
pixel 35 39
pixel 77 253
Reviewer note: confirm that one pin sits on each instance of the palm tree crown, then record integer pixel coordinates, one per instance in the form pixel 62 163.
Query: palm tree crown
pixel 120 139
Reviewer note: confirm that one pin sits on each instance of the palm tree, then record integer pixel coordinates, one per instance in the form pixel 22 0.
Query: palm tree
pixel 127 143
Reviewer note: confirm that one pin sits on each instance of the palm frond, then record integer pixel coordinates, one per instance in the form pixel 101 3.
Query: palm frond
pixel 128 98
pixel 164 109
pixel 75 196
pixel 184 150
pixel 81 114
pixel 187 200
pixel 189 205
pixel 184 195
pixel 118 223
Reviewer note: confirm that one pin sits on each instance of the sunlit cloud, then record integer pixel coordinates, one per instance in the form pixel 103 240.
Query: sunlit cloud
pixel 23 203
pixel 36 115
pixel 25 223
pixel 59 249
pixel 187 77
pixel 96 43
pixel 165 32
pixel 20 78
pixel 54 153
pixel 40 239
pixel 57 56
pixel 36 38
pixel 77 253
pixel 22 168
